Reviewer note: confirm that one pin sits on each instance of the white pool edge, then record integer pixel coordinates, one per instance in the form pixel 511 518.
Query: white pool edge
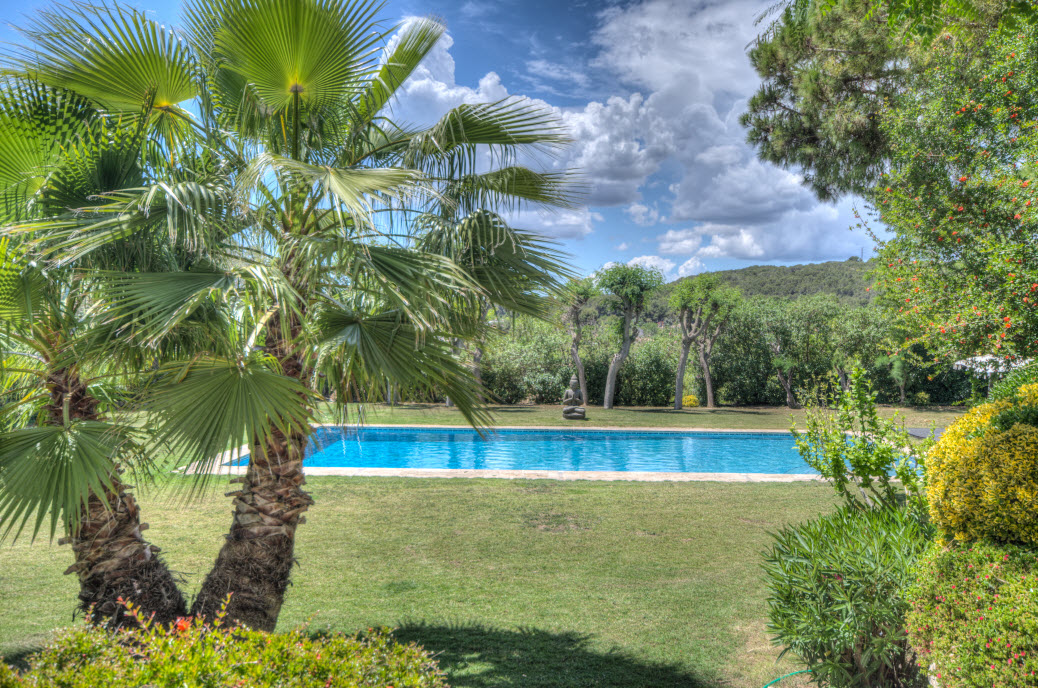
pixel 630 476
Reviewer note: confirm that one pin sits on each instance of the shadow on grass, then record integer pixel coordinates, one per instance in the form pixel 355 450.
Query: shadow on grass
pixel 19 659
pixel 477 656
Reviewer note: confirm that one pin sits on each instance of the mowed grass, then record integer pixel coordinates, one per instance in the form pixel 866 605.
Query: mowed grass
pixel 739 418
pixel 511 583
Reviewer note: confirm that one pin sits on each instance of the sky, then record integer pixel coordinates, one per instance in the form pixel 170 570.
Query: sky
pixel 650 92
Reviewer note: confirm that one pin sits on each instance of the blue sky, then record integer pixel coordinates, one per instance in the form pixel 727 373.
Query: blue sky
pixel 651 92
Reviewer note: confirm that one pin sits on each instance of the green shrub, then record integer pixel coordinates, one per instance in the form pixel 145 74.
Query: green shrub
pixel 983 473
pixel 862 454
pixel 974 615
pixel 192 654
pixel 836 595
pixel 920 399
pixel 1007 386
pixel 545 388
pixel 647 376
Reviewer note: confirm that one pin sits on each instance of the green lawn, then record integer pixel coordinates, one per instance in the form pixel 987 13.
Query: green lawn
pixel 513 583
pixel 742 418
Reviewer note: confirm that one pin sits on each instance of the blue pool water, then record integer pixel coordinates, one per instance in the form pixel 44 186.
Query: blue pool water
pixel 559 450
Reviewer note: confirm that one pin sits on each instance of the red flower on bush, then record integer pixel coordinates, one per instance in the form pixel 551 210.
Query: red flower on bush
pixel 182 624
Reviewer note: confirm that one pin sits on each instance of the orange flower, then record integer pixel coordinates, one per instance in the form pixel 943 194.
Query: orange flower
pixel 182 624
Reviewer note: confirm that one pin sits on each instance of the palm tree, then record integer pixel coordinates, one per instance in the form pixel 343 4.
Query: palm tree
pixel 308 241
pixel 63 450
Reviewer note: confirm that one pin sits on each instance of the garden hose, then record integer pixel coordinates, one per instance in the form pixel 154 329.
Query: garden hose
pixel 802 671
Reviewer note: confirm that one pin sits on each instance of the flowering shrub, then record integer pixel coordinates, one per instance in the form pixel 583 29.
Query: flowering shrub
pixel 836 599
pixel 983 473
pixel 190 653
pixel 974 615
pixel 689 401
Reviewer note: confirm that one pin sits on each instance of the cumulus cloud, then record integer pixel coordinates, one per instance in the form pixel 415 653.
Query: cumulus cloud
pixel 623 246
pixel 642 215
pixel 657 262
pixel 680 241
pixel 690 80
pixel 692 266
pixel 667 147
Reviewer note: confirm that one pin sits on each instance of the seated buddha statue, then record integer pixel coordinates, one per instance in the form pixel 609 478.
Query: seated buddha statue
pixel 572 402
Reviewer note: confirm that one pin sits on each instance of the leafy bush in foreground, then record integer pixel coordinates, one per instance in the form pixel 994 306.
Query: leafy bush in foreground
pixel 974 615
pixel 983 473
pixel 836 597
pixel 190 653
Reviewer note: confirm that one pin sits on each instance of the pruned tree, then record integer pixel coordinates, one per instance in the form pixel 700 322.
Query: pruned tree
pixel 704 305
pixel 629 286
pixel 576 299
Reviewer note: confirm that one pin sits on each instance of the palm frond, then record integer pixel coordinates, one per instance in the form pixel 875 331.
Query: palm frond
pixel 110 54
pixel 413 44
pixel 205 407
pixel 362 351
pixel 52 470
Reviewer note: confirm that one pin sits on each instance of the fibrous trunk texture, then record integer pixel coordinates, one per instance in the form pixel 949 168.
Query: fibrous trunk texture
pixel 255 563
pixel 113 561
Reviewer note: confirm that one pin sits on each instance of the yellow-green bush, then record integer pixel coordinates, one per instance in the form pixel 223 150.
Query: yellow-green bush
pixel 983 473
pixel 689 400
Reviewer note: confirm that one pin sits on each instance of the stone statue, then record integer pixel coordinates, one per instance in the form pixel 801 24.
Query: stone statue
pixel 571 402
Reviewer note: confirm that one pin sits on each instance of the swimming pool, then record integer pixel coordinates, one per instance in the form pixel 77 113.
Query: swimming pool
pixel 556 450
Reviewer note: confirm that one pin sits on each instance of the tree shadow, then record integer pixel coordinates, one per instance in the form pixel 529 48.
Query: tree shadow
pixel 19 659
pixel 478 656
pixel 513 409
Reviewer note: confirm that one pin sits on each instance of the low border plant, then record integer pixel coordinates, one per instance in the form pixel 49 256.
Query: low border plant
pixel 191 652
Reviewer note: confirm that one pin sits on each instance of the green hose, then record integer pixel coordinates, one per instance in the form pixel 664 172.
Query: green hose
pixel 771 683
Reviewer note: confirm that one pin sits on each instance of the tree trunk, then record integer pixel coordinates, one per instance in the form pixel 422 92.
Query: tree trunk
pixel 704 363
pixel 112 558
pixel 574 351
pixel 614 365
pixel 791 401
pixel 679 382
pixel 477 371
pixel 255 562
pixel 113 561
pixel 845 383
pixel 901 386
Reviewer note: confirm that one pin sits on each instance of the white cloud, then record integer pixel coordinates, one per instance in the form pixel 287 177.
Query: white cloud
pixel 692 266
pixel 623 246
pixel 669 148
pixel 553 71
pixel 563 224
pixel 657 262
pixel 642 215
pixel 680 241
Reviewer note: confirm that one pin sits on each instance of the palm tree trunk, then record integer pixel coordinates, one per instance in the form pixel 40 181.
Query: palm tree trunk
pixel 255 563
pixel 113 561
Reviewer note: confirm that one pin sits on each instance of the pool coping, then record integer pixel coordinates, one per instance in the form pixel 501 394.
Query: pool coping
pixel 512 474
